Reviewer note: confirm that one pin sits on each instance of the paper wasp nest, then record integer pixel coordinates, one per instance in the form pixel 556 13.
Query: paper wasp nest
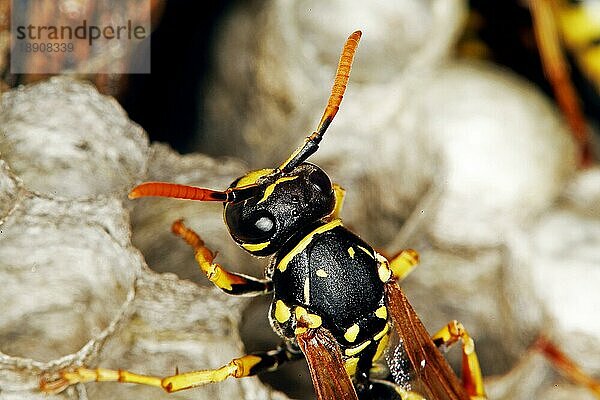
pixel 75 291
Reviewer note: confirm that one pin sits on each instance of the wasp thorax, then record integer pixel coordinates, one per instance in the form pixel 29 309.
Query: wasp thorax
pixel 283 203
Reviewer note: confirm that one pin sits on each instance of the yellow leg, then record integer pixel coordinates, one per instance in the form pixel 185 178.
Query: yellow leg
pixel 404 263
pixel 339 193
pixel 237 368
pixel 471 371
pixel 229 282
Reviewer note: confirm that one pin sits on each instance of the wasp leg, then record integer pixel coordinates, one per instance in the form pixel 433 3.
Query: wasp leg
pixel 247 365
pixel 230 282
pixel 339 193
pixel 404 263
pixel 557 71
pixel 566 366
pixel 471 372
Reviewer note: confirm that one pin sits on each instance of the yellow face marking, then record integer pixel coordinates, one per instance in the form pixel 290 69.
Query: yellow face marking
pixel 355 350
pixel 383 332
pixel 366 251
pixel 307 290
pixel 381 347
pixel 269 190
pixel 251 177
pixel 351 365
pixel 282 312
pixel 352 333
pixel 381 312
pixel 255 246
pixel 322 273
pixel 308 320
pixel 351 252
pixel 282 266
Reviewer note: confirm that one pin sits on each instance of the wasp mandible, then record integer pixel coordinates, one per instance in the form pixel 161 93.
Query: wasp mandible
pixel 336 301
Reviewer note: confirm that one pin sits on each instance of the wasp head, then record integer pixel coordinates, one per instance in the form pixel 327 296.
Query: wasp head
pixel 279 204
pixel 264 208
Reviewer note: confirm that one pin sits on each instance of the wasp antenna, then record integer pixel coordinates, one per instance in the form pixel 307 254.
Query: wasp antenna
pixel 342 75
pixel 341 81
pixel 177 191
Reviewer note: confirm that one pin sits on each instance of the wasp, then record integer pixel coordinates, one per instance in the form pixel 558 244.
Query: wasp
pixel 336 301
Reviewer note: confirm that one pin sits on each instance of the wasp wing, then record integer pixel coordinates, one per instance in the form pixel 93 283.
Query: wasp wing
pixel 434 377
pixel 329 377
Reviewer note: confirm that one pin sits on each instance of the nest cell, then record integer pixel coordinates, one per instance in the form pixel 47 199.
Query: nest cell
pixel 64 282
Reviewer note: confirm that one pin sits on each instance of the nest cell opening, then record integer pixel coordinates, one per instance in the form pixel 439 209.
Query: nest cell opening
pixel 62 286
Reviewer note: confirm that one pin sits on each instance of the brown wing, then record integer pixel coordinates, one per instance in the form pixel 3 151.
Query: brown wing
pixel 435 378
pixel 330 379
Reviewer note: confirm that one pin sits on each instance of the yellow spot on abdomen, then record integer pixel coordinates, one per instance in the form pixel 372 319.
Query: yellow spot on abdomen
pixel 307 320
pixel 321 273
pixel 383 332
pixel 381 312
pixel 352 333
pixel 351 252
pixel 381 347
pixel 355 350
pixel 351 365
pixel 282 312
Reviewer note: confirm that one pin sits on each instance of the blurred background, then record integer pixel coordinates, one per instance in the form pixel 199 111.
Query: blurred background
pixel 167 103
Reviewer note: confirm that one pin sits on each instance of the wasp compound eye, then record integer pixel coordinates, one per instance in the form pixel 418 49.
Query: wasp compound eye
pixel 320 181
pixel 253 226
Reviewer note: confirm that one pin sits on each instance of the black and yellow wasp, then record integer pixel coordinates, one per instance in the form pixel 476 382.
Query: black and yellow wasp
pixel 336 301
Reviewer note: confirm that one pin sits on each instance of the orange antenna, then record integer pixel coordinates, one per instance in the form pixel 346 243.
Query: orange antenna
pixel 177 191
pixel 311 144
pixel 341 80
